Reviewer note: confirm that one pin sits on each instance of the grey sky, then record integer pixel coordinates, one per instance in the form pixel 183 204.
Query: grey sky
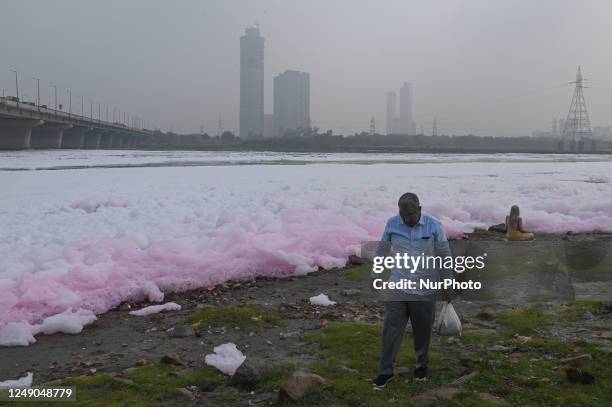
pixel 481 66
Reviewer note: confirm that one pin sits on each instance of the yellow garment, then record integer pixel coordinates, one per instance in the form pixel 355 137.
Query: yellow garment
pixel 515 235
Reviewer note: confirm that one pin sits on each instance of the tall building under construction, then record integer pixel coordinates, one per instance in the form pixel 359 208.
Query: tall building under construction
pixel 251 83
pixel 404 123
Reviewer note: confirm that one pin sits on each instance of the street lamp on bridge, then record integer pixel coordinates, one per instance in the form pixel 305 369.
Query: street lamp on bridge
pixel 69 102
pixel 37 92
pixel 55 93
pixel 16 84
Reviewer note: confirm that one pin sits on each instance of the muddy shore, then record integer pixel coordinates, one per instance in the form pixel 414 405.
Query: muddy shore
pixel 118 341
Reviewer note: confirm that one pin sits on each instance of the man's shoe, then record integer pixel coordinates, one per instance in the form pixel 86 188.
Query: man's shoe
pixel 420 374
pixel 382 380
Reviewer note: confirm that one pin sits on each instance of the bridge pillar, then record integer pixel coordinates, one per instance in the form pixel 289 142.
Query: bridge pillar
pixel 16 134
pixel 49 135
pixel 106 139
pixel 117 140
pixel 137 141
pixel 128 141
pixel 92 139
pixel 74 137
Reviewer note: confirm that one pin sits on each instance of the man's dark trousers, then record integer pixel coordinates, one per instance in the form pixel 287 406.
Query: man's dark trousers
pixel 397 313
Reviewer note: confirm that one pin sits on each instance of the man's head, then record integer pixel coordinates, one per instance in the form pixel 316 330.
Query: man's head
pixel 409 209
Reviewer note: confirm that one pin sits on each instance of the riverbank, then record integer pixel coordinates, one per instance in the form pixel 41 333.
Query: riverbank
pixel 509 351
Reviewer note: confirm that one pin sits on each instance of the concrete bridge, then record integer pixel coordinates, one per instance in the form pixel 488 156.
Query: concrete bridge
pixel 24 125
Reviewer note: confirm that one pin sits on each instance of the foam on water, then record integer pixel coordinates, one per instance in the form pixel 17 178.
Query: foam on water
pixel 90 239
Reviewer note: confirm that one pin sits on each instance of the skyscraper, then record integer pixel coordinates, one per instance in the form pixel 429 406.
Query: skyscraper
pixel 407 125
pixel 251 83
pixel 291 101
pixel 391 109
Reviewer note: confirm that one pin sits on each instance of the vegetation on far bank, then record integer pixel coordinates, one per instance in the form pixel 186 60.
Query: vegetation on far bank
pixel 313 141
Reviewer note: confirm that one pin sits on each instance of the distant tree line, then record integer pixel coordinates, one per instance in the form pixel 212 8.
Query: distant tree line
pixel 311 140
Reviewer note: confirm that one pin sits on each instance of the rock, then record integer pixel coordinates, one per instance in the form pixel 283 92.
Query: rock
pixel 588 316
pixel 351 292
pixel 171 359
pixel 265 399
pixel 464 379
pixel 579 376
pixel 442 392
pixel 180 331
pixel 423 401
pixel 606 334
pixel 298 384
pixel 285 335
pixel 467 362
pixel 498 348
pixel 347 370
pixel 499 228
pixel 141 362
pixel 356 260
pixel 86 363
pixel 431 397
pixel 577 361
pixel 486 313
pixel 188 394
pixel 244 377
pixel 490 398
pixel 522 339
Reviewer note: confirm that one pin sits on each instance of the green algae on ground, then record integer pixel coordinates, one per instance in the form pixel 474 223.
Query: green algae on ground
pixel 150 385
pixel 359 273
pixel 574 311
pixel 520 373
pixel 523 320
pixel 244 316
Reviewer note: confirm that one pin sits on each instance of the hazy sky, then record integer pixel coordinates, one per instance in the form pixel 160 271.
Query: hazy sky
pixel 485 67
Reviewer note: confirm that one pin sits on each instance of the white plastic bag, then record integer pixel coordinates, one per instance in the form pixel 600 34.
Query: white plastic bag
pixel 448 321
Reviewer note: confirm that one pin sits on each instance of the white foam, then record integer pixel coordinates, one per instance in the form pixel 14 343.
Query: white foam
pixel 91 239
pixel 154 309
pixel 25 381
pixel 322 300
pixel 227 358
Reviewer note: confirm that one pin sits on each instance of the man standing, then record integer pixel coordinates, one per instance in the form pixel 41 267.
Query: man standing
pixel 418 233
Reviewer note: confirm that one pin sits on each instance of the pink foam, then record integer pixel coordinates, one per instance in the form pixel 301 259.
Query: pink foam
pixel 99 275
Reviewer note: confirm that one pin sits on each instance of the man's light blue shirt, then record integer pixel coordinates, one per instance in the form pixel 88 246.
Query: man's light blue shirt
pixel 426 238
pixel 427 227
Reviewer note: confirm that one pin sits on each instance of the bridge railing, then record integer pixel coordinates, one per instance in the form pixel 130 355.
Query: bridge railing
pixel 20 108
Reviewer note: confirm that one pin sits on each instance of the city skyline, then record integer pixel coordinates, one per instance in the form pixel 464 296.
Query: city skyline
pixel 291 101
pixel 493 70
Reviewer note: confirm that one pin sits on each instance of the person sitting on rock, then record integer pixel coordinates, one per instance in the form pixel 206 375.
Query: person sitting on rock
pixel 514 226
